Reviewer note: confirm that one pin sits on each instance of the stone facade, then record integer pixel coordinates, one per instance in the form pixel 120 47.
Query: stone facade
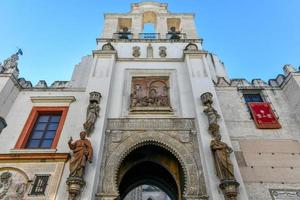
pixel 149 127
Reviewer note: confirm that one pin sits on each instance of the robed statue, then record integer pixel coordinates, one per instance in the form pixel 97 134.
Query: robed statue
pixel 82 153
pixel 92 112
pixel 223 164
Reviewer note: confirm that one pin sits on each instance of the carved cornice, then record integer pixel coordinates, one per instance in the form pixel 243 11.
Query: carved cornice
pixel 149 40
pixel 151 124
pixel 52 99
pixel 37 157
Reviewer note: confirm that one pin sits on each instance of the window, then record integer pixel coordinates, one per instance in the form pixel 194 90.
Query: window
pixel 39 185
pixel 42 128
pixel 253 98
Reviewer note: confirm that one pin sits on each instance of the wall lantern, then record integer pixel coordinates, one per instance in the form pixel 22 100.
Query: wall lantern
pixel 2 124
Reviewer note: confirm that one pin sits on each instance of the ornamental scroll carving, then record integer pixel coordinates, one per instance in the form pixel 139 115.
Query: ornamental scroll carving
pixel 221 151
pixel 150 93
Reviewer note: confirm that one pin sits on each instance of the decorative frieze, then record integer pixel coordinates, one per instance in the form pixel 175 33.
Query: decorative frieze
pixel 151 124
pixel 279 194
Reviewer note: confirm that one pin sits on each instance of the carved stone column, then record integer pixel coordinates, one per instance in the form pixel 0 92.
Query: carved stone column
pixel 221 151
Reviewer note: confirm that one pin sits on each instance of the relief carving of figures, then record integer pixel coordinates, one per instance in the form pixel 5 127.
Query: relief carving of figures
pixel 151 92
pixel 92 112
pixel 11 63
pixel 12 186
pixel 82 153
pixel 223 164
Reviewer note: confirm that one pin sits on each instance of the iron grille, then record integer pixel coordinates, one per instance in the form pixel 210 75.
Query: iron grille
pixel 39 185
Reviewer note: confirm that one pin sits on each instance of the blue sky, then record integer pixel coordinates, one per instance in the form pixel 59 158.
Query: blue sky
pixel 254 38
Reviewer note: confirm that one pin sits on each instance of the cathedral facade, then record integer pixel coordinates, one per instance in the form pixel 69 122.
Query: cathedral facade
pixel 149 116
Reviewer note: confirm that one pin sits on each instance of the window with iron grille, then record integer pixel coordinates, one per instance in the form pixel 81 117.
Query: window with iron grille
pixel 44 131
pixel 253 98
pixel 39 185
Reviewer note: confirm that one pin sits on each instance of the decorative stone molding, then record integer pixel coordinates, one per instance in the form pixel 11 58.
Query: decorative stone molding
pixel 175 135
pixel 191 47
pixel 128 124
pixel 108 47
pixel 24 83
pixel 53 99
pixel 41 84
pixel 136 51
pixel 60 84
pixel 193 177
pixel 163 51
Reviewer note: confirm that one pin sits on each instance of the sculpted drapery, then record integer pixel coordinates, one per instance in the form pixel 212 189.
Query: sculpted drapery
pixel 82 152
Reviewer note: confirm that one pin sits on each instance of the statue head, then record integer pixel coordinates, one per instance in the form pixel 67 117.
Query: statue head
pixel 83 135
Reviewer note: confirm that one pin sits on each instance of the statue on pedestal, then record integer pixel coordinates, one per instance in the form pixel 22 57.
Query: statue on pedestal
pixel 82 153
pixel 223 164
pixel 92 112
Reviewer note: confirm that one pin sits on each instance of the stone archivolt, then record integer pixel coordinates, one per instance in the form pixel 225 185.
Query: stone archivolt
pixel 185 152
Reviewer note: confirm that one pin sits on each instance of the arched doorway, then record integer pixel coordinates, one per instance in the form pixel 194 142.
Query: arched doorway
pixel 154 165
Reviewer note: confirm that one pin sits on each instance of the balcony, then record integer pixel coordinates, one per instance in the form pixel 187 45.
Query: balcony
pixel 123 35
pixel 175 35
pixel 149 36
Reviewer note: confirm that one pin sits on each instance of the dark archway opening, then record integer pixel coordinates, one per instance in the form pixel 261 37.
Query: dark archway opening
pixel 151 165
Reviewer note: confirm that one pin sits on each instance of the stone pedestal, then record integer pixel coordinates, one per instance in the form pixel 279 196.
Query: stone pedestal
pixel 75 185
pixel 230 189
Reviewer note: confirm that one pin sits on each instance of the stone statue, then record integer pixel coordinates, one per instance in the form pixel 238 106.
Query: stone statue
pixel 212 115
pixel 11 63
pixel 11 189
pixel 82 153
pixel 92 112
pixel 223 164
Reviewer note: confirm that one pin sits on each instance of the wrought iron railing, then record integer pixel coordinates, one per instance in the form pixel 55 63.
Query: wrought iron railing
pixel 176 36
pixel 123 35
pixel 149 36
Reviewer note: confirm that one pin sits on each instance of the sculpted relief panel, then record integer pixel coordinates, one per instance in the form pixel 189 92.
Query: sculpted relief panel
pixel 150 93
pixel 13 185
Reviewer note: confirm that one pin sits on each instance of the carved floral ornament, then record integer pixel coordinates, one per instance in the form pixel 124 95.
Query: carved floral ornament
pixel 191 47
pixel 108 47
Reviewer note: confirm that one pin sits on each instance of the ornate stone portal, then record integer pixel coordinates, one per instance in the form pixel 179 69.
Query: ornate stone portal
pixel 221 151
pixel 82 153
pixel 132 143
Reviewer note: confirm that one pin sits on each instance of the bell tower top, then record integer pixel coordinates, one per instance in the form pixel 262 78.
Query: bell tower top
pixel 149 6
pixel 166 25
